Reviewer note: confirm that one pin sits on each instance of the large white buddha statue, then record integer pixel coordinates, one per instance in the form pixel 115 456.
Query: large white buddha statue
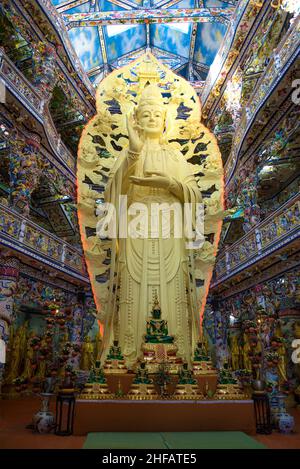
pixel 147 144
pixel 152 172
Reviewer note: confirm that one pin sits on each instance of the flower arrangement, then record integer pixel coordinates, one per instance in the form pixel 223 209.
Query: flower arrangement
pixel 66 348
pixel 269 386
pixel 76 349
pixel 36 383
pixel 244 376
pixel 256 359
pixel 286 387
pixel 250 326
pixel 276 342
pixel 35 342
pixel 226 376
pixel 20 383
pixel 69 370
pixel 272 359
pixel 50 322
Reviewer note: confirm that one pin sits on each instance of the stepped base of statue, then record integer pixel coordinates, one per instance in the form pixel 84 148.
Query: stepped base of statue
pixel 142 391
pixel 114 366
pixel 96 391
pixel 230 392
pixel 203 367
pixel 156 353
pixel 187 391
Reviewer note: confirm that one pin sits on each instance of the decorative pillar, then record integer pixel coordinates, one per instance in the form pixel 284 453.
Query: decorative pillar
pixel 77 323
pixel 89 315
pixel 221 332
pixel 9 273
pixel 44 57
pixel 247 198
pixel 24 170
pixel 232 97
pixel 76 335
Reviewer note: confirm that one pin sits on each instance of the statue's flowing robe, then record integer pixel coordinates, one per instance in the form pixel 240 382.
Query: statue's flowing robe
pixel 143 267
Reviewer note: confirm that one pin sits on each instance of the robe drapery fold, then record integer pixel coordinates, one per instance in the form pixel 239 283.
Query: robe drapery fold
pixel 142 267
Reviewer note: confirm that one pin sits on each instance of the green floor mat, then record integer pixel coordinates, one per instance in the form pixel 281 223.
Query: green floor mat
pixel 170 440
pixel 210 440
pixel 124 440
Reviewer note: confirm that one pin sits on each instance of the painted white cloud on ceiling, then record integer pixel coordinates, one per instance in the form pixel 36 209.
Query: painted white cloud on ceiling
pixel 114 29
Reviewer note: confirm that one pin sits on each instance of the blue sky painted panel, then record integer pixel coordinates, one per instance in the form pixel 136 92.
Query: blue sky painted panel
pixel 87 46
pixel 141 2
pixel 216 3
pixel 84 8
pixel 120 44
pixel 184 4
pixel 208 40
pixel 108 6
pixel 57 2
pixel 170 39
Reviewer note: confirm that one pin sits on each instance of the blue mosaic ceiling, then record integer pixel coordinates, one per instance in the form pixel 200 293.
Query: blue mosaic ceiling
pixel 102 48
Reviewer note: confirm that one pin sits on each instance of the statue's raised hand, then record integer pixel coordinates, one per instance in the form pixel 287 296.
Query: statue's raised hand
pixel 136 142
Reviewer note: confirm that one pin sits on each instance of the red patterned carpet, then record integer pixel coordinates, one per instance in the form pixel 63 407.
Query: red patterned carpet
pixel 16 414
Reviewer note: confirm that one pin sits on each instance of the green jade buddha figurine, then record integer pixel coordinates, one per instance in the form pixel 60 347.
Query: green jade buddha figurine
pixel 115 352
pixel 226 375
pixel 186 375
pixel 157 328
pixel 200 354
pixel 142 375
pixel 96 375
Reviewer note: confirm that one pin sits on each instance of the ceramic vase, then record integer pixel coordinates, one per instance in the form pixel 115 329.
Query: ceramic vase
pixel 44 421
pixel 286 423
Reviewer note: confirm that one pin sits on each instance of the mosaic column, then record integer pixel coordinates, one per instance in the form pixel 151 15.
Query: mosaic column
pixel 9 272
pixel 77 323
pixel 247 199
pixel 76 333
pixel 44 57
pixel 24 170
pixel 220 333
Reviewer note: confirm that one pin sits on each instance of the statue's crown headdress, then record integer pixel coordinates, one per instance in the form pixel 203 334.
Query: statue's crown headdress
pixel 151 94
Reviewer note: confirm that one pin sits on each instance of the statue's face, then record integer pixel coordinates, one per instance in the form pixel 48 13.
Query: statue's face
pixel 151 118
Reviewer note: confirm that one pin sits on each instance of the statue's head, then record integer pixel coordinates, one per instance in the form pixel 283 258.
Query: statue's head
pixel 116 343
pixel 150 113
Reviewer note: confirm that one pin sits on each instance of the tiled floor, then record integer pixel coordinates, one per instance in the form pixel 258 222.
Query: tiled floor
pixel 16 414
